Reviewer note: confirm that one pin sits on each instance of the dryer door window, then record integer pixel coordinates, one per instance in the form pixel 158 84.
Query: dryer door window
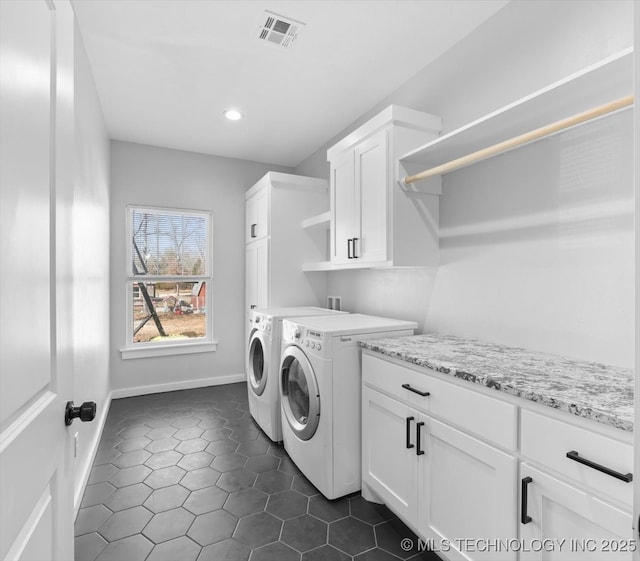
pixel 300 395
pixel 258 363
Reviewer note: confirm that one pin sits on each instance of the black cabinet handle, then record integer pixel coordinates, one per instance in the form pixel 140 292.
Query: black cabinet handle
pixel 408 387
pixel 524 517
pixel 573 455
pixel 354 247
pixel 253 230
pixel 419 426
pixel 349 256
pixel 409 445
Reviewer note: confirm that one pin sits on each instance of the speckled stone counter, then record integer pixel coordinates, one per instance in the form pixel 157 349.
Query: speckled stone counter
pixel 587 389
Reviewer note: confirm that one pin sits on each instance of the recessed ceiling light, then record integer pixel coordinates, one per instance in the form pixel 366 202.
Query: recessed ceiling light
pixel 233 114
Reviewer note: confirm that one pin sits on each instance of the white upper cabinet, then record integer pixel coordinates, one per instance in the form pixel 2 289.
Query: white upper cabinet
pixel 257 216
pixel 373 221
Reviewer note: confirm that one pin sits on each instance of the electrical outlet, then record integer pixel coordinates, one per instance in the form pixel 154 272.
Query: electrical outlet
pixel 76 443
pixel 334 302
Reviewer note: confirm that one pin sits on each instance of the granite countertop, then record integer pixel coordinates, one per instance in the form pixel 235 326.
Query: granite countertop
pixel 591 390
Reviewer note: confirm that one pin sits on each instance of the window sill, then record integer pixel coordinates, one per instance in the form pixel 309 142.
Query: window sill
pixel 167 350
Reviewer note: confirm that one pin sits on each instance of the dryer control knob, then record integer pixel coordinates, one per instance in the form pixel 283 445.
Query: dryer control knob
pixel 296 334
pixel 318 346
pixel 313 345
pixel 306 343
pixel 257 320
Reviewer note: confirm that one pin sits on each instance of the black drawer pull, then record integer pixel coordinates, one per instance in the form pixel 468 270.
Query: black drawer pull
pixel 409 445
pixel 408 387
pixel 253 230
pixel 349 248
pixel 419 426
pixel 573 455
pixel 524 517
pixel 354 247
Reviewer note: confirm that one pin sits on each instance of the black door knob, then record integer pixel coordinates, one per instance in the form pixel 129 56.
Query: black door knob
pixel 86 412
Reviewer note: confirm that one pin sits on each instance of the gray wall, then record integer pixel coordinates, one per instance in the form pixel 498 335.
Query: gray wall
pixel 147 175
pixel 537 246
pixel 90 225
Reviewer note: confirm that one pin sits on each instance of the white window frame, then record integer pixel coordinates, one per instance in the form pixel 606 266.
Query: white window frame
pixel 168 347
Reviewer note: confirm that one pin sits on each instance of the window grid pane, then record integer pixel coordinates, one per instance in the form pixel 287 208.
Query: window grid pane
pixel 171 244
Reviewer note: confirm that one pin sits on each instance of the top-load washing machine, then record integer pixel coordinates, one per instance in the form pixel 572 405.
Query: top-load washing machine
pixel 320 395
pixel 263 359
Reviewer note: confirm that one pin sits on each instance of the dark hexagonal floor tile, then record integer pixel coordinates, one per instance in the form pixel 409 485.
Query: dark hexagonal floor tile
pixel 215 434
pixel 205 500
pixel 304 533
pixel 192 445
pixel 287 504
pixel 106 456
pixel 129 476
pixel 236 480
pixel 179 549
pixel 88 546
pixel 127 497
pixel 326 553
pixel 366 511
pixel 227 550
pixel 97 494
pixel 211 423
pixel 376 554
pixel 277 450
pixel 185 422
pixel 134 431
pixel 258 529
pixel 220 447
pixel 287 465
pixel 90 519
pixel 162 445
pixel 260 464
pixel 200 478
pixel 164 459
pixel 326 510
pixel 129 444
pixel 133 548
pixel 273 481
pixel 187 434
pixel 125 523
pixel 164 477
pixel 351 536
pixel 212 527
pixel 159 421
pixel 245 434
pixel 228 462
pixel 303 486
pixel 168 525
pixel 389 536
pixel 275 552
pixel 196 460
pixel 101 473
pixel 133 458
pixel 166 498
pixel 161 432
pixel 243 503
pixel 253 447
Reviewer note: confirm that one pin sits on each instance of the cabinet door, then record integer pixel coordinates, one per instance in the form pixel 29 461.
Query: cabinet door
pixel 574 524
pixel 389 466
pixel 257 274
pixel 257 216
pixel 371 181
pixel 342 201
pixel 470 494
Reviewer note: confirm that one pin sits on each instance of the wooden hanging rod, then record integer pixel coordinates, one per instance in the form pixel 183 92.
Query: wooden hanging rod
pixel 516 141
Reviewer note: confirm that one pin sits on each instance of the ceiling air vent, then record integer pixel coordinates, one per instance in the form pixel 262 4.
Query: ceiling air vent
pixel 279 30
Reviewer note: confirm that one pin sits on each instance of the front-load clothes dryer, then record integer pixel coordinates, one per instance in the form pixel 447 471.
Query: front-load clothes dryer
pixel 320 395
pixel 263 359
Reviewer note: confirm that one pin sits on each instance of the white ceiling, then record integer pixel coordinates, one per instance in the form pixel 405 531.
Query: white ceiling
pixel 166 69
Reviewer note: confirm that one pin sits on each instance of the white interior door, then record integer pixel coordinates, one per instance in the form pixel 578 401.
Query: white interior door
pixel 36 141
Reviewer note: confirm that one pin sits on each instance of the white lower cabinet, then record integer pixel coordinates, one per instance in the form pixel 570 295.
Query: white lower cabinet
pixel 452 489
pixel 560 521
pixel 464 496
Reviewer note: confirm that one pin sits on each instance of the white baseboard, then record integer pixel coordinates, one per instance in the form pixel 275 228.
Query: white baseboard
pixel 82 478
pixel 182 385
